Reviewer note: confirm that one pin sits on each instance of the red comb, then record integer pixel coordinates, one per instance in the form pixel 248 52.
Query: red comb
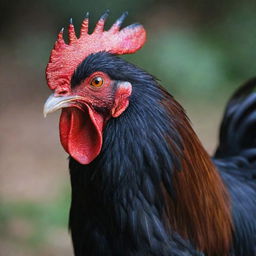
pixel 65 58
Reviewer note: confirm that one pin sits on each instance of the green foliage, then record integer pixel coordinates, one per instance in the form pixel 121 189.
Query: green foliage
pixel 40 217
pixel 185 62
pixel 238 40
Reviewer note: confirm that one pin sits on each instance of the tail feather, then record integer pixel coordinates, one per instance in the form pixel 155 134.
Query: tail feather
pixel 235 159
pixel 238 127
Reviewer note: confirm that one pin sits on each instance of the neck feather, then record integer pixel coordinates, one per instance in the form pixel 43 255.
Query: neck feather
pixel 153 140
pixel 200 209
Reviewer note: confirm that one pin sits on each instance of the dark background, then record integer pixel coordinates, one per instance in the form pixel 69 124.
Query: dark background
pixel 201 50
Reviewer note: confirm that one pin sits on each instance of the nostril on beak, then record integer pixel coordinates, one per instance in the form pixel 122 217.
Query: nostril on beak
pixel 61 92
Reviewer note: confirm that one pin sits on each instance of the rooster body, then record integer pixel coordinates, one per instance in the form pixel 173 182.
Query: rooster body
pixel 142 184
pixel 122 208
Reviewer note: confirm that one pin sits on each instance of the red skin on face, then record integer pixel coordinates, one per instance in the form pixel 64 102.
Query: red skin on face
pixel 96 96
pixel 81 126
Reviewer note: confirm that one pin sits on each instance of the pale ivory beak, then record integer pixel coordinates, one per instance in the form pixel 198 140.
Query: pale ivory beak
pixel 54 103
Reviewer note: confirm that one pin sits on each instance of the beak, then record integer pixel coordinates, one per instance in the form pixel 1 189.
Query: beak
pixel 54 103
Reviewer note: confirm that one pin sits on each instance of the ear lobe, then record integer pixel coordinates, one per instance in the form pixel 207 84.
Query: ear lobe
pixel 123 92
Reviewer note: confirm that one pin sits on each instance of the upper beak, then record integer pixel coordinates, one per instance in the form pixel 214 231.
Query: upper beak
pixel 54 103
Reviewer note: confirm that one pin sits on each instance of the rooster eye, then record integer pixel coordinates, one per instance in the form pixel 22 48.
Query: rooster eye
pixel 97 81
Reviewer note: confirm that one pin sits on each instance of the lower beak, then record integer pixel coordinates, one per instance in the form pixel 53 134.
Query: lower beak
pixel 54 103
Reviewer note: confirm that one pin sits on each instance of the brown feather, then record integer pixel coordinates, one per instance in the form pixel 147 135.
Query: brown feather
pixel 200 209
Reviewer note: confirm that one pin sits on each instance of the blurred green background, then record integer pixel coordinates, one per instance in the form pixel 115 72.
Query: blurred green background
pixel 201 51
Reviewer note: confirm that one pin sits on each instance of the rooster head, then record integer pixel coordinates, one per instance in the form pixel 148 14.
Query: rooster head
pixel 88 96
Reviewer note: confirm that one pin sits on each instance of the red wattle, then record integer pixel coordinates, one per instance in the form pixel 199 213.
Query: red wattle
pixel 81 133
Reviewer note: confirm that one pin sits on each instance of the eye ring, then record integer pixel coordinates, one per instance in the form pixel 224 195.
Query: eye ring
pixel 97 81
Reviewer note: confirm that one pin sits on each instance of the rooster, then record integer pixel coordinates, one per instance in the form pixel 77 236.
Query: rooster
pixel 142 183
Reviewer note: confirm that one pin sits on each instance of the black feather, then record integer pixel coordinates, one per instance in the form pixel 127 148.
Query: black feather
pixel 117 207
pixel 236 159
pixel 117 196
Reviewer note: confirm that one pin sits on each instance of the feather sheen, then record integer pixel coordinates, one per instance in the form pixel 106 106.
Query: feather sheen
pixel 153 189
